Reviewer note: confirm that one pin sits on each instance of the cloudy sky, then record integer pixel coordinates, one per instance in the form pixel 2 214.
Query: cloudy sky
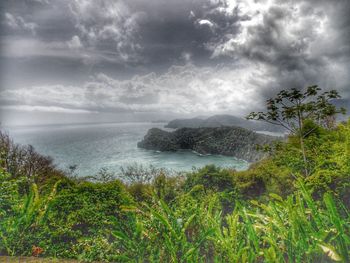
pixel 118 60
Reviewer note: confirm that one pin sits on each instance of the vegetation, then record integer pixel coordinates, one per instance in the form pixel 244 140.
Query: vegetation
pixel 294 109
pixel 270 213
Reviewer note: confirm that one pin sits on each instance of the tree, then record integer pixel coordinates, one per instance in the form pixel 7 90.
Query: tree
pixel 292 108
pixel 24 161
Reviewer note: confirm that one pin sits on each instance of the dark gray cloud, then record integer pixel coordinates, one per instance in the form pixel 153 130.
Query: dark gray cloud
pixel 174 57
pixel 299 42
pixel 132 33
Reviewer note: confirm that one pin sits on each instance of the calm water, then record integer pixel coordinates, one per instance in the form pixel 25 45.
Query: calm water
pixel 95 146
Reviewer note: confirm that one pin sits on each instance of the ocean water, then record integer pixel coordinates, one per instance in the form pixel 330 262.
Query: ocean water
pixel 109 145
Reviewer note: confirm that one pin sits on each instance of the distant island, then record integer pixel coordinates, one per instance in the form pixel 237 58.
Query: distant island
pixel 231 141
pixel 159 121
pixel 222 120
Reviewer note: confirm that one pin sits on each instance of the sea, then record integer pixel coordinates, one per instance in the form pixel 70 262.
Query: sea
pixel 109 146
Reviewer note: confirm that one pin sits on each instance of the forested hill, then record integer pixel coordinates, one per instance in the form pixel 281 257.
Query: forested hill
pixel 232 141
pixel 222 120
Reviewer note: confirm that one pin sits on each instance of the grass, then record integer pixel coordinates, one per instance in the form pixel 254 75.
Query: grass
pixel 34 260
pixel 295 229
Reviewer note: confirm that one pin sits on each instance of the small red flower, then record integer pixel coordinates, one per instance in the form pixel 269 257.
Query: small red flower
pixel 36 251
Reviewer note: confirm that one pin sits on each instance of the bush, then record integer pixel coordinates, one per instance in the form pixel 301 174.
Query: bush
pixel 212 178
pixel 24 162
pixel 85 210
pixel 168 187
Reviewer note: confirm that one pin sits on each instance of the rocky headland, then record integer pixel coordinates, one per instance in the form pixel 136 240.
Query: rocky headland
pixel 231 141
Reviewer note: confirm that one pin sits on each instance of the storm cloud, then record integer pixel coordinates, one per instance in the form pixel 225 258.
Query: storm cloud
pixel 182 57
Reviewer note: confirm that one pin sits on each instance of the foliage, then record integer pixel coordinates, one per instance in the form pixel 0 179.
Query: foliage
pixel 294 229
pixel 23 216
pixel 290 108
pixel 294 109
pixel 60 220
pixel 212 178
pixel 138 173
pixel 168 187
pixel 268 176
pixel 179 236
pixel 86 210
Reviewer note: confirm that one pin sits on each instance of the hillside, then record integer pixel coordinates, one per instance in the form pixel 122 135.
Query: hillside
pixel 232 141
pixel 222 120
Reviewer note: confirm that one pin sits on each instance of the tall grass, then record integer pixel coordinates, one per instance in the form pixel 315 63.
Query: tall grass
pixel 192 228
pixel 294 229
pixel 22 219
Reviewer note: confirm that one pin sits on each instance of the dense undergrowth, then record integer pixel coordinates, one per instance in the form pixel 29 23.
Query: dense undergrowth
pixel 270 213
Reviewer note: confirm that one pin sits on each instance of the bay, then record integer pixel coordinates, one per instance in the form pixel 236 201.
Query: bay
pixel 109 145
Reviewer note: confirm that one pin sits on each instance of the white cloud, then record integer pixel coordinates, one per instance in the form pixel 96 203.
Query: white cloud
pixel 108 22
pixel 192 15
pixel 104 30
pixel 71 49
pixel 205 22
pixel 46 109
pixel 11 21
pixel 16 23
pixel 181 90
pixel 288 25
pixel 298 43
pixel 186 56
pixel 74 43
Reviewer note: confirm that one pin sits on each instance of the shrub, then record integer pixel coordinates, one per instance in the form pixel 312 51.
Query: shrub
pixel 168 187
pixel 24 162
pixel 212 178
pixel 86 210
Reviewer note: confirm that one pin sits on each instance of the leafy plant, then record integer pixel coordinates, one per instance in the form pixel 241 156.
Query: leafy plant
pixel 292 109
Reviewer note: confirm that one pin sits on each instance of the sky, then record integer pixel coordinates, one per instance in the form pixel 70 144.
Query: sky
pixel 140 60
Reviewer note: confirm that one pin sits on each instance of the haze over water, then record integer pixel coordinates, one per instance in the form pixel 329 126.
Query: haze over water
pixel 109 145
